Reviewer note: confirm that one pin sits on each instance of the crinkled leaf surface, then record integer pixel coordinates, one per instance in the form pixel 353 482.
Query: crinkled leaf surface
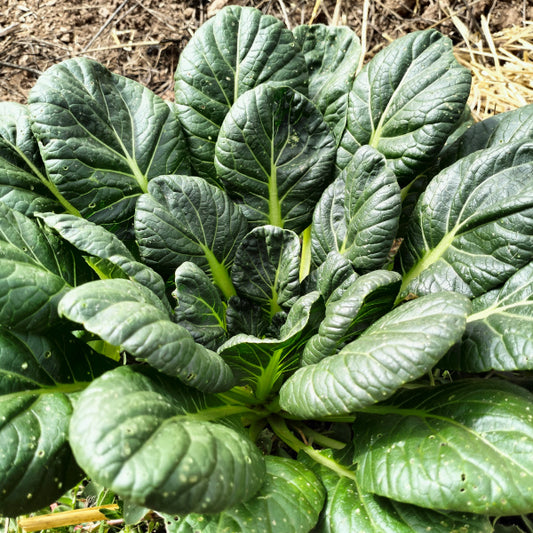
pixel 199 307
pixel 266 267
pixel 473 226
pixel 400 347
pixel 359 213
pixel 97 241
pixel 508 127
pixel 36 376
pixel 332 54
pixel 22 181
pixel 465 447
pixel 127 314
pixel 103 137
pixel 275 155
pixel 348 508
pixel 147 449
pixel 499 332
pixel 334 276
pixel 36 270
pixel 367 299
pixel 231 53
pixel 290 500
pixel 405 102
pixel 184 218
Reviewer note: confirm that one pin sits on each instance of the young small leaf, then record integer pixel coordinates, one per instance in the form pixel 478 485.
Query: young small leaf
pixel 199 307
pixel 275 155
pixel 266 268
pixel 135 433
pixel 399 348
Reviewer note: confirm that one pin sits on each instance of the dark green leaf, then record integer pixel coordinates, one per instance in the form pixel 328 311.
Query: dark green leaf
pixel 349 509
pixel 464 447
pixel 266 268
pixel 399 348
pixel 289 501
pixel 358 215
pixel 231 53
pixel 23 185
pixel 405 102
pixel 97 241
pixel 367 299
pixel 332 54
pixel 35 272
pixel 184 218
pixel 127 314
pixel 472 228
pixel 130 431
pixel 36 376
pixel 334 276
pixel 499 332
pixel 103 137
pixel 200 309
pixel 262 361
pixel 275 156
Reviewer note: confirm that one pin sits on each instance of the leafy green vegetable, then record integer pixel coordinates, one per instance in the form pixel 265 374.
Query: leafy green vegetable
pixel 298 299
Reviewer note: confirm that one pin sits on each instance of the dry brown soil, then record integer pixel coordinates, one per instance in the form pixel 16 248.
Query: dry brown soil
pixel 142 39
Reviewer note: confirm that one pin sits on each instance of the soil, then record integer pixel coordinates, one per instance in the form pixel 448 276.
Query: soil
pixel 142 39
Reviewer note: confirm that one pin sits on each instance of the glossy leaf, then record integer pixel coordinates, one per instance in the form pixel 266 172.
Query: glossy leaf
pixel 400 347
pixel 499 333
pixel 472 228
pixel 266 268
pixel 35 272
pixel 36 377
pixel 405 103
pixel 289 500
pixel 23 185
pixel 199 307
pixel 367 299
pixel 183 218
pixel 465 447
pixel 502 128
pixel 150 452
pixel 97 241
pixel 335 276
pixel 332 55
pixel 275 156
pixel 358 215
pixel 103 137
pixel 348 508
pixel 231 53
pixel 126 314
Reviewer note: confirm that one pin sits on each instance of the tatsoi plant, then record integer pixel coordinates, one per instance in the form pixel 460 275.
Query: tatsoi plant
pixel 298 298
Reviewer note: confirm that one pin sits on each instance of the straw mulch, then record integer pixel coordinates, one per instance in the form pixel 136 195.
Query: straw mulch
pixel 142 39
